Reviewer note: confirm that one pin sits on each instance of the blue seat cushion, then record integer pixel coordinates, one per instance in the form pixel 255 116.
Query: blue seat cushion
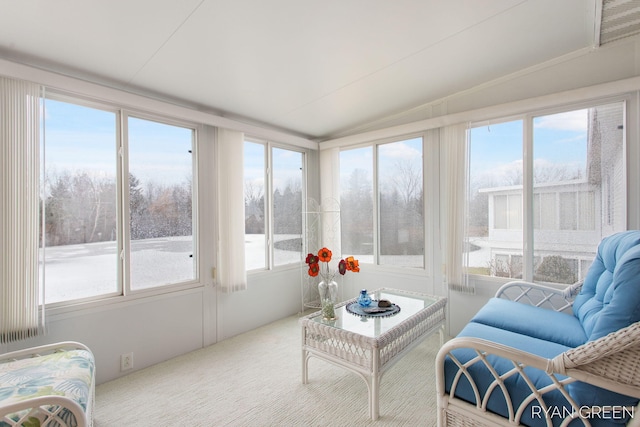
pixel 584 394
pixel 516 385
pixel 547 325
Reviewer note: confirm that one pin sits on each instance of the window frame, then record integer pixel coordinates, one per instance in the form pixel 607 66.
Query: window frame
pixel 528 185
pixel 268 201
pixel 125 114
pixel 124 291
pixel 430 183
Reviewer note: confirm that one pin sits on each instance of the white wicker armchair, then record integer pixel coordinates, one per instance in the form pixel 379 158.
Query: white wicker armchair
pixel 611 362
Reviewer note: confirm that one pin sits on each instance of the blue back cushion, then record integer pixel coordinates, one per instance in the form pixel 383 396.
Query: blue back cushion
pixel 610 297
pixel 536 322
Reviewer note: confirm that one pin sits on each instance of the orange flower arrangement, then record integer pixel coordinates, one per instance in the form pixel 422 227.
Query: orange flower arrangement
pixel 324 256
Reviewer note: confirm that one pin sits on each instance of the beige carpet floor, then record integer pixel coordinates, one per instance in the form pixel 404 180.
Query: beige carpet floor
pixel 254 379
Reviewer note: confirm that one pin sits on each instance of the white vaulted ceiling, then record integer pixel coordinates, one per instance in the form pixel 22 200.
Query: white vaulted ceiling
pixel 314 68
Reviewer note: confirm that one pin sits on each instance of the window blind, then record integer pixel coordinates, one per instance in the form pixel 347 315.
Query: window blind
pixel 454 162
pixel 232 273
pixel 21 296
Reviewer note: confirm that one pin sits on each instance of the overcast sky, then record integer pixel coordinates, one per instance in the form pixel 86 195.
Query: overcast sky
pixel 81 139
pixel 559 139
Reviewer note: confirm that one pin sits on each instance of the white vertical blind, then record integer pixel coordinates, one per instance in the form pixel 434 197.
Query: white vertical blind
pixel 21 313
pixel 330 203
pixel 232 273
pixel 454 220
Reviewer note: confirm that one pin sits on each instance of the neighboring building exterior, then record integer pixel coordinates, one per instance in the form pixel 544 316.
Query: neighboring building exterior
pixel 570 217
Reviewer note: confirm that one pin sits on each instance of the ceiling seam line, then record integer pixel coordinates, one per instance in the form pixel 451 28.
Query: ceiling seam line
pixel 153 55
pixel 399 60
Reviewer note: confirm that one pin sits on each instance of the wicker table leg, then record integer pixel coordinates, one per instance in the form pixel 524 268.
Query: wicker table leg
pixel 374 389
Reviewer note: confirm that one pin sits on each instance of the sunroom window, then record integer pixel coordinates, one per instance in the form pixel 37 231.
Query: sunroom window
pixel 381 203
pixel 117 211
pixel 160 203
pixel 80 202
pixel 274 178
pixel 543 192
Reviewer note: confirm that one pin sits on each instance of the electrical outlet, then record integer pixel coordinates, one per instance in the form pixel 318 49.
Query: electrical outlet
pixel 126 361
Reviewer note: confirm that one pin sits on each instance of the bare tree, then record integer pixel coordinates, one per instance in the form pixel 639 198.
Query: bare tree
pixel 357 213
pixel 407 180
pixel 253 193
pixel 79 208
pixel 254 208
pixel 554 172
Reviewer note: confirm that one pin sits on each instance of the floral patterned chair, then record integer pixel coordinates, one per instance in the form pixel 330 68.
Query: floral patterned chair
pixel 51 385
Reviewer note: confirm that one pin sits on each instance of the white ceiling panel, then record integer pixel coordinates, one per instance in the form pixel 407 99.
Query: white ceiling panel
pixel 459 62
pixel 313 68
pixel 105 39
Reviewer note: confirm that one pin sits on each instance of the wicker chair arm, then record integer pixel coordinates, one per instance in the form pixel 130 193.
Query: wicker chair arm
pixel 539 295
pixel 612 361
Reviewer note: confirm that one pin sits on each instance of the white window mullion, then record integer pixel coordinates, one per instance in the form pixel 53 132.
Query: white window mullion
pixel 195 209
pixel 124 220
pixel 268 211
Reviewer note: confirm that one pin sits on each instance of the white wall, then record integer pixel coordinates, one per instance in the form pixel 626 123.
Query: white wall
pixel 161 327
pixel 270 296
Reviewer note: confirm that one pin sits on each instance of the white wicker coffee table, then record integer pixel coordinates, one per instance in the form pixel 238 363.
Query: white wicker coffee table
pixel 370 346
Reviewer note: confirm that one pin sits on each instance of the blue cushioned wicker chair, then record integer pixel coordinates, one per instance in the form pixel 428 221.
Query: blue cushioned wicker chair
pixel 535 356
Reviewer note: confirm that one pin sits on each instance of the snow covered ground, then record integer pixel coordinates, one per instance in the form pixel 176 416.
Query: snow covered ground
pixel 88 270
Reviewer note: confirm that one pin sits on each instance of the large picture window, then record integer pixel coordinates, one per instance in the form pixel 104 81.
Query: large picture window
pixel 384 225
pixel 87 252
pixel 541 216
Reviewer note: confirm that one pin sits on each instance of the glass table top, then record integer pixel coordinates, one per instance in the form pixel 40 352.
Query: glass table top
pixel 409 303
